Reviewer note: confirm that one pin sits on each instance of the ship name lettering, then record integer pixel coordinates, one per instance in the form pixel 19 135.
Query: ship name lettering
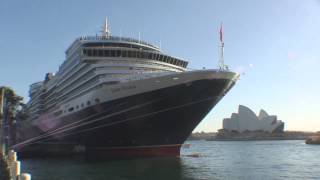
pixel 113 90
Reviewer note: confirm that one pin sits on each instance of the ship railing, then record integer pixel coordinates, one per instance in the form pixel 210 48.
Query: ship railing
pixel 144 76
pixel 116 38
pixel 112 38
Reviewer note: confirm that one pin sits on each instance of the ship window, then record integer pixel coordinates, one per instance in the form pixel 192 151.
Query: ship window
pixel 70 109
pixel 107 53
pixel 161 57
pixel 130 54
pixel 124 53
pixel 58 113
pixel 118 53
pixel 97 100
pixel 149 56
pixel 175 62
pixel 82 104
pixel 100 53
pixel 134 54
pixel 113 54
pixel 145 55
pixel 95 53
pixel 88 103
pixel 138 54
pixel 89 52
pixel 166 58
pixel 77 107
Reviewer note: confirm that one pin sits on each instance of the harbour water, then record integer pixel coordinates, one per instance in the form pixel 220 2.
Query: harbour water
pixel 203 160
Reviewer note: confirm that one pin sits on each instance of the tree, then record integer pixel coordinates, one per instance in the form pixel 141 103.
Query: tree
pixel 12 103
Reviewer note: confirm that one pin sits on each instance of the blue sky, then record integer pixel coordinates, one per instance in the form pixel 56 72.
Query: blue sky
pixel 274 44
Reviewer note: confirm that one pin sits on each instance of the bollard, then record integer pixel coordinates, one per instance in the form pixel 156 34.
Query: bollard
pixel 15 169
pixel 12 156
pixel 25 176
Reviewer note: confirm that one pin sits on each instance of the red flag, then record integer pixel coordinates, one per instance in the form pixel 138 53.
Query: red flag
pixel 221 33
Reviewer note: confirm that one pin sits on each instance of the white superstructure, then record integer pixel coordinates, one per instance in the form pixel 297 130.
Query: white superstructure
pixel 96 61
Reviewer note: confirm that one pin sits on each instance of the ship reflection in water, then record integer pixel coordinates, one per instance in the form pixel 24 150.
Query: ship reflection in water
pixel 205 160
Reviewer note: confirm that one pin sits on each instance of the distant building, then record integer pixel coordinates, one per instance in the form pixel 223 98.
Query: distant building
pixel 247 120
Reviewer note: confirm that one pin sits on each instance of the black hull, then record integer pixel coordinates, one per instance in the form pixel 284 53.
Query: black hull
pixel 154 123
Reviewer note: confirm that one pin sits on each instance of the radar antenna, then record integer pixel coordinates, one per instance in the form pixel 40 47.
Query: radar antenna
pixel 222 66
pixel 105 29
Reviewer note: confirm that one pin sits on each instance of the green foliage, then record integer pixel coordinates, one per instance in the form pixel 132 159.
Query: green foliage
pixel 14 102
pixel 4 171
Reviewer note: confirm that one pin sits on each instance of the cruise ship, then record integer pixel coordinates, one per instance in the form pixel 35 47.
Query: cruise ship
pixel 118 97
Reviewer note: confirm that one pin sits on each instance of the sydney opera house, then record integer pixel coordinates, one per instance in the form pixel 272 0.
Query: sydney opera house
pixel 247 120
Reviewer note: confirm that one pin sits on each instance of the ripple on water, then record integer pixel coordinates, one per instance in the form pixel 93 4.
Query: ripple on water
pixel 216 160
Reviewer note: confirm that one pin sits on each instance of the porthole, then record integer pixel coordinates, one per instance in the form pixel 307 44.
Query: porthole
pixel 97 100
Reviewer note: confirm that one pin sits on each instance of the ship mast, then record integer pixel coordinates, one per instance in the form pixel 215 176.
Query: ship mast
pixel 222 66
pixel 105 30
